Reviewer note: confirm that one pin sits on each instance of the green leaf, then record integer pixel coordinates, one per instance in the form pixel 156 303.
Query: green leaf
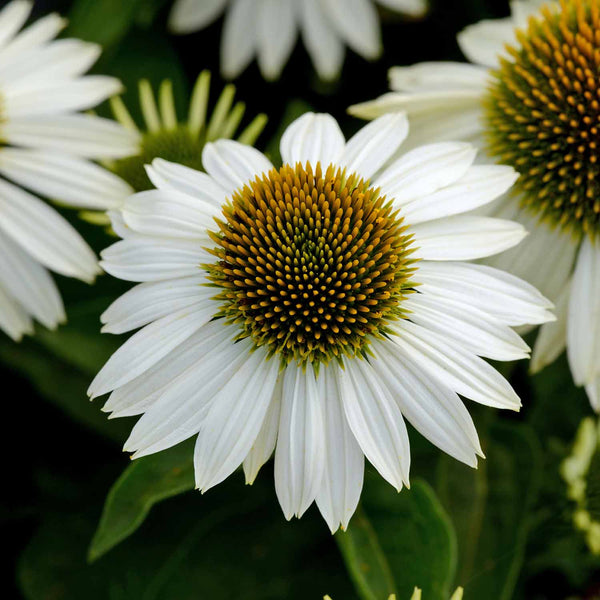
pixel 145 482
pixel 490 508
pixel 400 541
pixel 105 22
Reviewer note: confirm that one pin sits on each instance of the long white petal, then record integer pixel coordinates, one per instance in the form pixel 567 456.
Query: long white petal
pixel 274 49
pixel 583 325
pixel 438 76
pixel 552 337
pixel 465 237
pixel 506 297
pixel 425 170
pixel 482 43
pixel 149 345
pixel 12 18
pixel 432 407
pixel 265 441
pixel 27 281
pixel 235 418
pixel 148 302
pixel 323 44
pixel 191 15
pixel 299 456
pixel 368 150
pixel 167 175
pixel 14 320
pixel 476 331
pixel 69 179
pixel 312 138
pixel 232 164
pixel 44 234
pixel 239 39
pixel 82 135
pixel 342 483
pixel 460 370
pixel 41 31
pixel 479 186
pixel 375 420
pixel 182 407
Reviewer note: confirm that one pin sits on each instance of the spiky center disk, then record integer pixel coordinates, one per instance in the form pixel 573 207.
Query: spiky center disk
pixel 311 264
pixel 543 114
pixel 175 145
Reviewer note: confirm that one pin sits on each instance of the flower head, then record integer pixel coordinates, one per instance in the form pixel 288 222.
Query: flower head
pixel 531 100
pixel 326 26
pixel 308 309
pixel 45 146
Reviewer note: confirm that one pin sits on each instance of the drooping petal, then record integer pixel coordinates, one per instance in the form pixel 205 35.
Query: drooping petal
pixel 299 456
pixel 239 40
pixel 191 15
pixel 277 34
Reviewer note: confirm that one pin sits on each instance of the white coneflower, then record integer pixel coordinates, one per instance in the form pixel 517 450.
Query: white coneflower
pixel 313 307
pixel 533 105
pixel 165 136
pixel 44 146
pixel 327 26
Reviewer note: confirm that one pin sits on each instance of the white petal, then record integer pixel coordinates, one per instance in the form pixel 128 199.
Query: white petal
pixel 342 483
pixel 465 237
pixel 322 43
pixel 191 15
pixel 483 42
pixel 232 164
pixel 140 393
pixel 299 457
pixel 357 23
pixel 148 302
pixel 545 258
pixel 168 214
pixel 71 180
pixel 312 138
pixel 415 8
pixel 235 418
pixel 368 150
pixel 583 326
pixel 28 282
pixel 480 185
pixel 41 31
pixel 182 407
pixel 172 176
pixel 59 97
pixel 239 38
pixel 593 392
pixel 144 349
pixel 83 135
pixel 375 420
pixel 504 296
pixel 12 18
pixel 552 338
pixel 476 331
pixel 438 76
pixel 432 408
pixel 14 321
pixel 460 370
pixel 265 441
pixel 139 259
pixel 274 50
pixel 425 170
pixel 44 234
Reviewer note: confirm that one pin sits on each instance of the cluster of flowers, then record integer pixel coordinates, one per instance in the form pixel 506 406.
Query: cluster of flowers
pixel 306 309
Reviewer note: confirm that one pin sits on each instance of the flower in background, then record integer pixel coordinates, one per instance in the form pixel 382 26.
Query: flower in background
pixel 307 310
pixel 164 136
pixel 532 104
pixel 45 146
pixel 268 30
pixel 580 472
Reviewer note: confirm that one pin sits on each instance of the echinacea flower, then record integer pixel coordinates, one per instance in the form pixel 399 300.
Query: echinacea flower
pixel 45 146
pixel 268 30
pixel 165 136
pixel 308 309
pixel 533 104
